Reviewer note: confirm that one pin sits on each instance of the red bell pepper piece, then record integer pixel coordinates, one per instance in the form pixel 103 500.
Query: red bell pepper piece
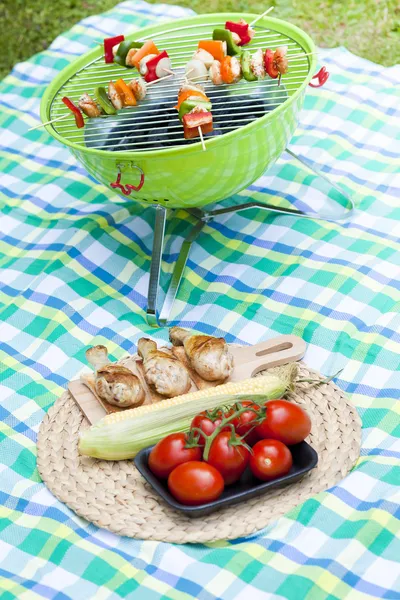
pixel 190 134
pixel 151 65
pixel 241 29
pixel 197 119
pixel 79 120
pixel 245 40
pixel 192 122
pixel 109 44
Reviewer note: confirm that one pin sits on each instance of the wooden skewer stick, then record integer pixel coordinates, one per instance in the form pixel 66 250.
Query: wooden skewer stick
pixel 261 16
pixel 160 79
pixel 201 138
pixel 50 122
pixel 185 77
pixel 301 55
pixel 168 71
pixel 199 79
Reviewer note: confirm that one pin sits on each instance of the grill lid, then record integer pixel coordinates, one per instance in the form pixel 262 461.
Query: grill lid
pixel 154 124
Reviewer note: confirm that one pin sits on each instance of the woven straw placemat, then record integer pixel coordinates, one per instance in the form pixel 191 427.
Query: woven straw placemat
pixel 114 496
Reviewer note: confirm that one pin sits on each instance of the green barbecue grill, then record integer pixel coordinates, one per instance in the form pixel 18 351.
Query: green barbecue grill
pixel 141 153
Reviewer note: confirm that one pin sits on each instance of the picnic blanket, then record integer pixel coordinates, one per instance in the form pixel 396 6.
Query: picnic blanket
pixel 75 261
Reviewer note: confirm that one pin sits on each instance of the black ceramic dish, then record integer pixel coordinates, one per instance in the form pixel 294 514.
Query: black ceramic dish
pixel 304 459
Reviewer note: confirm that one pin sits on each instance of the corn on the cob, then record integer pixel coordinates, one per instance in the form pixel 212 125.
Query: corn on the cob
pixel 121 435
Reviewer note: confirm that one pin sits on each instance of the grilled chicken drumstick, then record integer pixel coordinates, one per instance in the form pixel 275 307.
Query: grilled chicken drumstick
pixel 209 356
pixel 115 384
pixel 164 372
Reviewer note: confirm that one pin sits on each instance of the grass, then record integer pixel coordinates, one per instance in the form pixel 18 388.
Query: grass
pixel 369 28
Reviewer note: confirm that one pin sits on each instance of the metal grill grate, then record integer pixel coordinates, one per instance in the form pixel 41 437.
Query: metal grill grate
pixel 154 123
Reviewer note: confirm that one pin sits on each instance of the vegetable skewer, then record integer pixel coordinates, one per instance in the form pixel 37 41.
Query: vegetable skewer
pixel 227 67
pixel 145 56
pixel 194 109
pixel 250 66
pixel 137 85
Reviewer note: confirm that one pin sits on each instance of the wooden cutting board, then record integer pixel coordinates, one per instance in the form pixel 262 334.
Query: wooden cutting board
pixel 248 361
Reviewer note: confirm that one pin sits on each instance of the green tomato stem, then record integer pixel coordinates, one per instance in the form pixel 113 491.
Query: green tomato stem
pixel 226 421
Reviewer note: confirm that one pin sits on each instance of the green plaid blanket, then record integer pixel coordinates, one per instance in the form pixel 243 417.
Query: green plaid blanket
pixel 75 261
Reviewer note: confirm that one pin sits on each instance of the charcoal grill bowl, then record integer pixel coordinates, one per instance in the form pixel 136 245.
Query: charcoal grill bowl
pixel 186 176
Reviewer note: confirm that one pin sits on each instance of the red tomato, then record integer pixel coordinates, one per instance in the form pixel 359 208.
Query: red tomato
pixel 285 421
pixel 244 422
pixel 230 460
pixel 170 452
pixel 195 483
pixel 205 423
pixel 270 459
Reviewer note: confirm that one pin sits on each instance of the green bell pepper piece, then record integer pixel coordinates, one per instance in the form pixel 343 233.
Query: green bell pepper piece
pixel 123 50
pixel 189 105
pixel 104 101
pixel 226 36
pixel 246 69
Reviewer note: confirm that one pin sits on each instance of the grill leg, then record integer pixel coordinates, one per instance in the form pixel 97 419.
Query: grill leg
pixel 160 320
pixel 341 216
pixel 155 267
pixel 153 318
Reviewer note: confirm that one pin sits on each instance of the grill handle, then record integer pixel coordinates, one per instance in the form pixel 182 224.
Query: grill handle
pixel 127 189
pixel 322 77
